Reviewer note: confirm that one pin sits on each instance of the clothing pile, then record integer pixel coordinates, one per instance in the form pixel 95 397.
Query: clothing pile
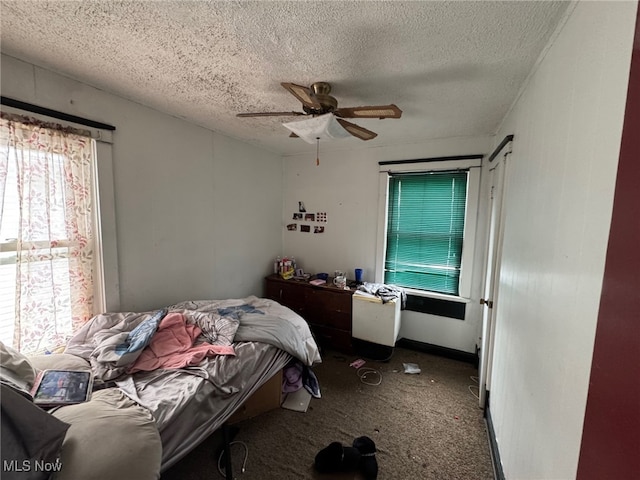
pixel 385 292
pixel 296 376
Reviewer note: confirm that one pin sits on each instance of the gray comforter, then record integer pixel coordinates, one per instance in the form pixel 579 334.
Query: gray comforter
pixel 189 403
pixel 260 320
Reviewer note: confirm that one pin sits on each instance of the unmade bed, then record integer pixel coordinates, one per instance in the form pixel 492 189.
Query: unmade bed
pixel 184 404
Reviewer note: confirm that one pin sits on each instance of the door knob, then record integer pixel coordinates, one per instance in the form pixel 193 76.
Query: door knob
pixel 488 303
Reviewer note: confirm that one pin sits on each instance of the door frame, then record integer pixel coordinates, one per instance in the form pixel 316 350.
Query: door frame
pixel 493 253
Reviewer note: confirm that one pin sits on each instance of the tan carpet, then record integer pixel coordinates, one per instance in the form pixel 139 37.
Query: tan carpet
pixel 425 426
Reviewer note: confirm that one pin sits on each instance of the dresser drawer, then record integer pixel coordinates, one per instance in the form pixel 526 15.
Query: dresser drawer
pixel 339 320
pixel 288 293
pixel 329 300
pixel 326 308
pixel 333 338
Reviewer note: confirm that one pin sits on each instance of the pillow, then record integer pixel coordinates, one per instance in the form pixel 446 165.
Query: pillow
pixel 15 369
pixel 30 438
pixel 110 436
pixel 59 361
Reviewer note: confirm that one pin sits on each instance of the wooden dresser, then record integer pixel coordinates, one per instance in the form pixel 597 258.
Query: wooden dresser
pixel 326 308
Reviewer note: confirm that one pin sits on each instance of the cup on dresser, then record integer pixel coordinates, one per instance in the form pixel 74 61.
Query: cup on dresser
pixel 340 281
pixel 358 275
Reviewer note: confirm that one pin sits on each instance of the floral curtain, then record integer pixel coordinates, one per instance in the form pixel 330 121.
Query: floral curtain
pixel 46 233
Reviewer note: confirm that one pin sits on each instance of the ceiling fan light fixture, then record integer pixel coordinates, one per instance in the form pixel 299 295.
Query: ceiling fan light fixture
pixel 322 127
pixel 327 121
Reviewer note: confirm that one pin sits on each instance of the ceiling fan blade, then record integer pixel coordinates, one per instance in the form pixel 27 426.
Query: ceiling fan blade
pixel 270 114
pixel 372 111
pixel 357 130
pixel 304 94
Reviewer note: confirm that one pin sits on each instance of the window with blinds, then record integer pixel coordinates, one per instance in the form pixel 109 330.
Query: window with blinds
pixel 425 229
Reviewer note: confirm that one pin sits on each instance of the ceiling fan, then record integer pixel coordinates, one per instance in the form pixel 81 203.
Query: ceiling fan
pixel 317 101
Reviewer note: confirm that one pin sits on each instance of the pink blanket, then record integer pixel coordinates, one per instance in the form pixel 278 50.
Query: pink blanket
pixel 172 346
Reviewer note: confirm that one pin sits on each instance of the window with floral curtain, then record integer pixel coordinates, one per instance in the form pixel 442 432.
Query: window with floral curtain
pixel 47 233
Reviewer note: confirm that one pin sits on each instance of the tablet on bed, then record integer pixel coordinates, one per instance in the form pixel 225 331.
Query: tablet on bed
pixel 62 387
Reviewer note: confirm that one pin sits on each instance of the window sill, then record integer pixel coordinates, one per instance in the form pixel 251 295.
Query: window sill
pixel 439 296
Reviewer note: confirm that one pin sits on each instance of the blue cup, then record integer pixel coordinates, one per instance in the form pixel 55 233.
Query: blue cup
pixel 359 275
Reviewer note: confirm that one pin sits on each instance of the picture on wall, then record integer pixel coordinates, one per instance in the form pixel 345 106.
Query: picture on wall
pixel 302 215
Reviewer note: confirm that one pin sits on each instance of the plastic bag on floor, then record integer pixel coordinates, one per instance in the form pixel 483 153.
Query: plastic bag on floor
pixel 411 368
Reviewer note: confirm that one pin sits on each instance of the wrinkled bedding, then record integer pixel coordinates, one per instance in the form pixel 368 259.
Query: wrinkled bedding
pixel 266 321
pixel 189 403
pixel 159 416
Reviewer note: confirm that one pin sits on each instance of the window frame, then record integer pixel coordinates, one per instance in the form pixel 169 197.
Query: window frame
pixel 471 163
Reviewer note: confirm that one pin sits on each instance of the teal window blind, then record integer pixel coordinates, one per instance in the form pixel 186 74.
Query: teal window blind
pixel 426 214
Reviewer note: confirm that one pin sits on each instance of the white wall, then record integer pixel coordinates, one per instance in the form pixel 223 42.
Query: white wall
pixel 197 213
pixel 345 186
pixel 567 126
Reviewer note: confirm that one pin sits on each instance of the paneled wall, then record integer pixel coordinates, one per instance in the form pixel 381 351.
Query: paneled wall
pixel 567 126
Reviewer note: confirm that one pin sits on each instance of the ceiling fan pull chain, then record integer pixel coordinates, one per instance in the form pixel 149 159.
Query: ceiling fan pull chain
pixel 317 151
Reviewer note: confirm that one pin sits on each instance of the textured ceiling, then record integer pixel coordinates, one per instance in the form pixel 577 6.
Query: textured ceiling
pixel 453 67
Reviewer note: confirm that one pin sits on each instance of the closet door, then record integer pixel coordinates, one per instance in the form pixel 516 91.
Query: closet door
pixel 492 267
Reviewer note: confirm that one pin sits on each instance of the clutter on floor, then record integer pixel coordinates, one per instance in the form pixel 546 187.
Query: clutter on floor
pixel 298 401
pixel 299 384
pixel 411 368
